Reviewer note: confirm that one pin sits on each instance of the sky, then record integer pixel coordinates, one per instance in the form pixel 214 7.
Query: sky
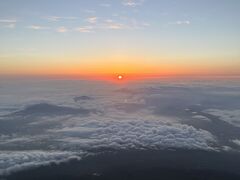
pixel 96 37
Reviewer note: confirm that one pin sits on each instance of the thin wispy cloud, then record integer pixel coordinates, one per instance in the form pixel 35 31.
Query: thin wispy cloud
pixel 115 26
pixel 185 22
pixel 92 20
pixel 59 18
pixel 85 29
pixel 8 20
pixel 62 29
pixel 8 23
pixel 132 3
pixel 37 27
pixel 111 24
pixel 98 24
pixel 95 24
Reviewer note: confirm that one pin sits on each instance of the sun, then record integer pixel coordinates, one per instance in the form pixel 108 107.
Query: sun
pixel 120 77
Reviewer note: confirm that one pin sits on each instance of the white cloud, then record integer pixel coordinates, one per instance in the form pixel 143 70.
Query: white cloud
pixel 132 3
pixel 13 139
pixel 200 117
pixel 8 20
pixel 120 131
pixel 185 22
pixel 226 148
pixel 92 20
pixel 229 116
pixel 13 161
pixel 8 23
pixel 236 141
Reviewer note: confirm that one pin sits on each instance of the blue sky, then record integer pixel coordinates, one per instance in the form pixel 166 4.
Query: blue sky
pixel 169 33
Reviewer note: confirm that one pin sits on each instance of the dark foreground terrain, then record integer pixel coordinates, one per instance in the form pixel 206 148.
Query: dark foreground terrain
pixel 150 165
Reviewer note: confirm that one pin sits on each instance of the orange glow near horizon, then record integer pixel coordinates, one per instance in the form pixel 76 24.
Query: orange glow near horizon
pixel 128 69
pixel 110 64
pixel 77 43
pixel 98 66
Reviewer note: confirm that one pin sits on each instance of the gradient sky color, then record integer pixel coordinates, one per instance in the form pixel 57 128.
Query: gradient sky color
pixel 79 37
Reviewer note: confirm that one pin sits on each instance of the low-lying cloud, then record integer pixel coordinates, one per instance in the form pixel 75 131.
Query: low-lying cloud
pixel 52 121
pixel 45 109
pixel 13 161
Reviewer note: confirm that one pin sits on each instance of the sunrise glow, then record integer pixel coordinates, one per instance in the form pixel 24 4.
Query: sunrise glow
pixel 135 37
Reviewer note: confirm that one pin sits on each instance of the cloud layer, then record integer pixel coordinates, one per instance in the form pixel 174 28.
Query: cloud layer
pixel 52 121
pixel 14 161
